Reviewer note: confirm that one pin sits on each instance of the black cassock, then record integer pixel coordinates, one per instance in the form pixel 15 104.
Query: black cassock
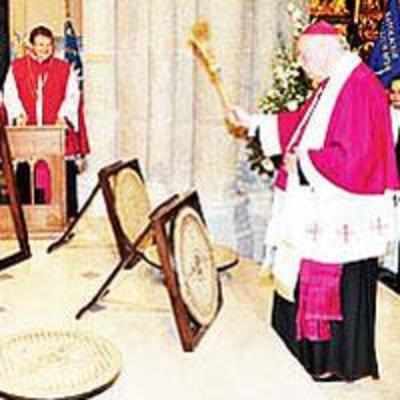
pixel 351 353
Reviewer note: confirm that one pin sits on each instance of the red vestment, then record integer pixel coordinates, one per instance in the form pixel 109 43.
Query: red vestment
pixel 55 74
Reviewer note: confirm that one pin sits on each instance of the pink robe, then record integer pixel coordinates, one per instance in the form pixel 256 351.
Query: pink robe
pixel 319 300
pixel 361 121
pixel 357 156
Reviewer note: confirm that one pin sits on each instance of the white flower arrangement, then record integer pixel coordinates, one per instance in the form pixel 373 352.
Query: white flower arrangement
pixel 290 86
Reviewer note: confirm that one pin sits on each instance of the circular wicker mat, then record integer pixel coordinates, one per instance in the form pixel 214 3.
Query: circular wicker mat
pixel 132 203
pixel 56 365
pixel 195 266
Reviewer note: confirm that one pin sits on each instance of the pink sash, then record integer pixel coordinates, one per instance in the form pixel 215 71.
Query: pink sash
pixel 319 300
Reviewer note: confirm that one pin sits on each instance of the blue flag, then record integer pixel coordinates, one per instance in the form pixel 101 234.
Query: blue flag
pixel 71 50
pixel 385 56
pixel 76 143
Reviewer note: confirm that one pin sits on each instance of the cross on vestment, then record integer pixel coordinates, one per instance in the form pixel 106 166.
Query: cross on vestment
pixel 314 231
pixel 346 232
pixel 379 226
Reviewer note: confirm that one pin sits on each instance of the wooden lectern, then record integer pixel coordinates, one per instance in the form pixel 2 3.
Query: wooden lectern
pixel 30 145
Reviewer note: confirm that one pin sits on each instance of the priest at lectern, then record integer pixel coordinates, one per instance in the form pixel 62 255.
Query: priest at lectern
pixel 41 89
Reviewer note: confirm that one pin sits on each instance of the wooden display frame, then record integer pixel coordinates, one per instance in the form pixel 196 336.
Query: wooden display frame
pixel 17 215
pixel 127 248
pixel 106 175
pixel 190 331
pixel 131 251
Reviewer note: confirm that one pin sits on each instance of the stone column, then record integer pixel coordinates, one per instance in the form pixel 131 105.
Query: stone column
pixel 215 150
pixel 184 112
pixel 133 54
pixel 100 89
pixel 162 47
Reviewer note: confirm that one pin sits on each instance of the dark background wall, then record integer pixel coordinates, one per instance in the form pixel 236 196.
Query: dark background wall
pixel 4 40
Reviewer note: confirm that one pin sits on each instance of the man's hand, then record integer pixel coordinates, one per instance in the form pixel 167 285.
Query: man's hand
pixel 238 122
pixel 290 161
pixel 61 122
pixel 21 120
pixel 81 164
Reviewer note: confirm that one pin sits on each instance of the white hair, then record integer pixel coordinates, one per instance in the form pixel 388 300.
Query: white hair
pixel 325 43
pixel 325 49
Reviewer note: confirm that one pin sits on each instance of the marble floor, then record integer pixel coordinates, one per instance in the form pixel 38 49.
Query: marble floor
pixel 239 358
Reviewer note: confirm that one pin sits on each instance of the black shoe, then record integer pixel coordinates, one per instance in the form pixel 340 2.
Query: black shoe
pixel 327 378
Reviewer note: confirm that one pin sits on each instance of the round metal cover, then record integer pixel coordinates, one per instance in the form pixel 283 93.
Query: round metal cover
pixel 132 202
pixel 56 365
pixel 195 266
